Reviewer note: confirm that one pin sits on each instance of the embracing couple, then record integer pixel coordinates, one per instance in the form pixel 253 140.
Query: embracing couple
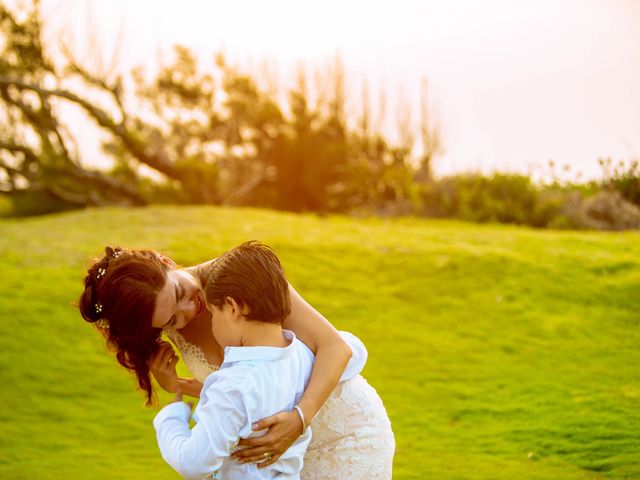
pixel 281 395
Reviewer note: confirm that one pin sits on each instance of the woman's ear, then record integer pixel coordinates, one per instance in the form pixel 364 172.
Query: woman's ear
pixel 167 261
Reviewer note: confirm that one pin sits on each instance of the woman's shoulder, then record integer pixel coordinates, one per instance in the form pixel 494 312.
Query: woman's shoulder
pixel 200 271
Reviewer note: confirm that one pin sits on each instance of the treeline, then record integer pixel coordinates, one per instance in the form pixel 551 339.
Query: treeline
pixel 216 135
pixel 611 203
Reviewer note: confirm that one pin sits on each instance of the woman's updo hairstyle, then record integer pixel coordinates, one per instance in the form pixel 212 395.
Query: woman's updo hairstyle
pixel 119 297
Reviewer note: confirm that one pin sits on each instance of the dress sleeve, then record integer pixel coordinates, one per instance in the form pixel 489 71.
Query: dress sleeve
pixel 358 358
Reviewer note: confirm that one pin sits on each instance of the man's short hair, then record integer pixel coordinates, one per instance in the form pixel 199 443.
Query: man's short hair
pixel 253 276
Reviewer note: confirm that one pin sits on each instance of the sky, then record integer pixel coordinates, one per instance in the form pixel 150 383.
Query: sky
pixel 514 83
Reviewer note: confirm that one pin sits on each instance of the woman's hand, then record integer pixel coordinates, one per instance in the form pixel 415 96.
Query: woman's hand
pixel 284 429
pixel 163 367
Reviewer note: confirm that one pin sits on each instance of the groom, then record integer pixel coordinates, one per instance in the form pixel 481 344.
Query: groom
pixel 265 371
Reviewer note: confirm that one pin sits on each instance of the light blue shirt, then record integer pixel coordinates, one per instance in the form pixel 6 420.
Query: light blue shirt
pixel 251 384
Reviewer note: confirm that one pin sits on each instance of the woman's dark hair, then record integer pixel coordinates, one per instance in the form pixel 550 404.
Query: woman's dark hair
pixel 119 297
pixel 252 275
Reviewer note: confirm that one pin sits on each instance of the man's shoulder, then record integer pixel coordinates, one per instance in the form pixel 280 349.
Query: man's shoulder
pixel 302 347
pixel 303 353
pixel 232 376
pixel 227 387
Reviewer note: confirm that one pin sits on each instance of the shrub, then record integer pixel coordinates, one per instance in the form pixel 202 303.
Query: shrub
pixel 37 202
pixel 605 210
pixel 505 198
pixel 622 177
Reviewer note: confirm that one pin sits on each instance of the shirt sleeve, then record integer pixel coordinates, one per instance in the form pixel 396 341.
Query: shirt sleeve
pixel 358 358
pixel 199 452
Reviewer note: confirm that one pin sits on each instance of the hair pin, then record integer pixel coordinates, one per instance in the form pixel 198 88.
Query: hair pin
pixel 102 323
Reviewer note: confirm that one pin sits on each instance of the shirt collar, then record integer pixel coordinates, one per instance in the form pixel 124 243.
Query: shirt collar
pixel 269 354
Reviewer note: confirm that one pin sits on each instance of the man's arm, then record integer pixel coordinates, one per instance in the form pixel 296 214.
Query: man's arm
pixel 199 452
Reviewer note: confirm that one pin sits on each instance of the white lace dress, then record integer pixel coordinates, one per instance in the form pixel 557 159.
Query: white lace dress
pixel 352 437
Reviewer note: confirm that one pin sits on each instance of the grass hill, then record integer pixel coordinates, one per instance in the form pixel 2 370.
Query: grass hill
pixel 500 352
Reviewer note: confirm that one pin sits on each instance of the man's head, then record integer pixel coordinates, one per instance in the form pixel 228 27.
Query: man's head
pixel 247 283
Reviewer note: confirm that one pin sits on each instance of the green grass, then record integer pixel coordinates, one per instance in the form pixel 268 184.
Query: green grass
pixel 6 206
pixel 500 352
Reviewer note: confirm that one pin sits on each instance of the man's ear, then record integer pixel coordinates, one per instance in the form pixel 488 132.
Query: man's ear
pixel 236 310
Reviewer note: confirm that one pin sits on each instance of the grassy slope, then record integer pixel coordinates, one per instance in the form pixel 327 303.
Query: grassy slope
pixel 488 344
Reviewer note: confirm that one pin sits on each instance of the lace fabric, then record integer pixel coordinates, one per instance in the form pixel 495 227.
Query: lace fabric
pixel 192 356
pixel 352 437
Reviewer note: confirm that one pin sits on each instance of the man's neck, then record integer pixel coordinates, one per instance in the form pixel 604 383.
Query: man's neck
pixel 263 334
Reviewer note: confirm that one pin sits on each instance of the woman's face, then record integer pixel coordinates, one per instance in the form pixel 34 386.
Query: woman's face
pixel 180 301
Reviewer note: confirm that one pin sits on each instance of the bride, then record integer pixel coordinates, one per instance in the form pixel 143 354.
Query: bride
pixel 133 296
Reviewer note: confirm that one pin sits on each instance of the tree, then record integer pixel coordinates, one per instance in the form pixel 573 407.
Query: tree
pixel 37 153
pixel 190 134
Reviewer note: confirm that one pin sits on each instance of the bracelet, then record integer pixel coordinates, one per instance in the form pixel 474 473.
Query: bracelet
pixel 301 413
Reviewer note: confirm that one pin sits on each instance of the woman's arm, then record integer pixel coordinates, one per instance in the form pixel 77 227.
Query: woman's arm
pixel 189 386
pixel 332 352
pixel 332 355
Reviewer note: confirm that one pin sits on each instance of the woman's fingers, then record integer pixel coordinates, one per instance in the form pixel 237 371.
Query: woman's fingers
pixel 260 441
pixel 255 447
pixel 271 460
pixel 165 356
pixel 252 452
pixel 266 422
pixel 168 355
pixel 262 456
pixel 173 362
pixel 156 358
pixel 284 428
pixel 163 367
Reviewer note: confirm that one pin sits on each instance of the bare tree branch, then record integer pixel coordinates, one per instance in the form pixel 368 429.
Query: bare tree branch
pixel 32 116
pixel 11 171
pixel 107 182
pixel 157 161
pixel 84 176
pixel 13 147
pixel 430 134
pixel 114 89
pixel 70 197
